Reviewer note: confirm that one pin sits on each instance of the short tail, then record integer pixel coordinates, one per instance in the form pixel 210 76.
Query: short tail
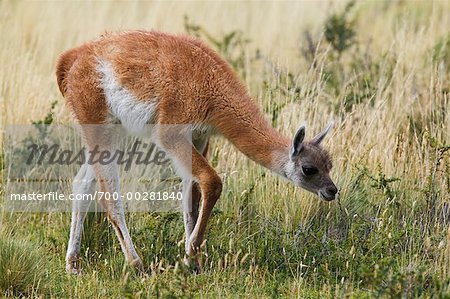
pixel 65 62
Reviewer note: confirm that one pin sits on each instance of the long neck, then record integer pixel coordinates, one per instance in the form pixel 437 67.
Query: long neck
pixel 242 122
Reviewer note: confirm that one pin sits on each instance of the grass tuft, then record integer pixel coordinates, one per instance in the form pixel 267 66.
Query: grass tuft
pixel 21 267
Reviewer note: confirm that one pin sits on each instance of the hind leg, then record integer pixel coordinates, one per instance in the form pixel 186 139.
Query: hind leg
pixel 86 99
pixel 104 139
pixel 84 183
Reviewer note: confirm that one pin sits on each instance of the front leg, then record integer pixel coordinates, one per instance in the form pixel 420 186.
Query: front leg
pixel 191 199
pixel 211 188
pixel 191 193
pixel 192 166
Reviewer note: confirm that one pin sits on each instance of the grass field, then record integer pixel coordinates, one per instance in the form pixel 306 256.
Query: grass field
pixel 380 69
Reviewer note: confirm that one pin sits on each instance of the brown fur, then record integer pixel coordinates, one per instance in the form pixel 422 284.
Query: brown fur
pixel 78 81
pixel 192 83
pixel 63 66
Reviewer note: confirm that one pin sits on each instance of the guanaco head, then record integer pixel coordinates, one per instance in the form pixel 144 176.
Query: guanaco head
pixel 309 165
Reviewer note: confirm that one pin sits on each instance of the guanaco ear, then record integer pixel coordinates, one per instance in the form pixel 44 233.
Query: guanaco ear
pixel 297 143
pixel 319 137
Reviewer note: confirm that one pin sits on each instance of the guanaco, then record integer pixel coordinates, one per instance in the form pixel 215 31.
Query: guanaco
pixel 137 78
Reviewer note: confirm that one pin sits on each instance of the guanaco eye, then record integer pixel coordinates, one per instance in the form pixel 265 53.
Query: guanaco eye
pixel 308 170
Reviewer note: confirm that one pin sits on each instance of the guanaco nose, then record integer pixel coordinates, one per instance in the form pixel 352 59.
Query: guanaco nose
pixel 332 190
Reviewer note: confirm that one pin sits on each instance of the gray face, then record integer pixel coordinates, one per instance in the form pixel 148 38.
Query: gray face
pixel 309 166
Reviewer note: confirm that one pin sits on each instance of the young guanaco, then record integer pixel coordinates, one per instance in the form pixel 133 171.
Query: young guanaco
pixel 137 78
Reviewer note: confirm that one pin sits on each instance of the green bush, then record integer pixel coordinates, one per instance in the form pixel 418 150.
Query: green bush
pixel 339 32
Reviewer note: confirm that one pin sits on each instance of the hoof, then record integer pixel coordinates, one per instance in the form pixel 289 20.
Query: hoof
pixel 73 265
pixel 138 265
pixel 193 264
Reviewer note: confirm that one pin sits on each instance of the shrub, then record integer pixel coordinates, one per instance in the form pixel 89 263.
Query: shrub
pixel 339 31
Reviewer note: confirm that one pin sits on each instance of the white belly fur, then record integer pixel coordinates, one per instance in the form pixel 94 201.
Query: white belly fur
pixel 133 113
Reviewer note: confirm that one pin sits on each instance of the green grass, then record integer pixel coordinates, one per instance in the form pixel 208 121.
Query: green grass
pixel 386 251
pixel 22 267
